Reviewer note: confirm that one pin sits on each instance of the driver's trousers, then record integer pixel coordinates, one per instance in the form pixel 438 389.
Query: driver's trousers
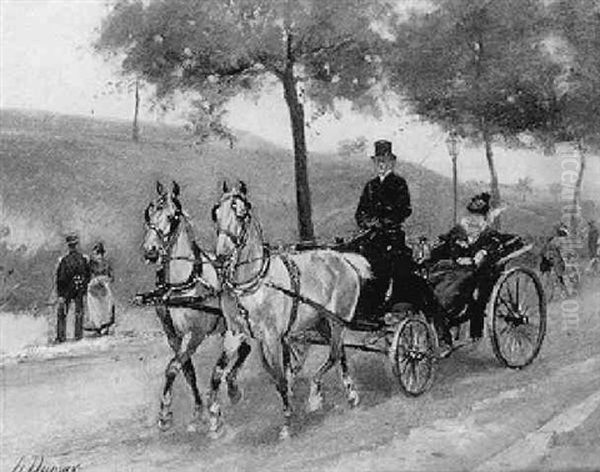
pixel 396 264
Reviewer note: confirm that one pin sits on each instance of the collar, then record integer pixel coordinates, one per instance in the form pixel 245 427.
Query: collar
pixel 382 178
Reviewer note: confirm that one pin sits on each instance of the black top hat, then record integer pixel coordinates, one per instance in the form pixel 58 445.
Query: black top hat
pixel 72 239
pixel 480 203
pixel 383 148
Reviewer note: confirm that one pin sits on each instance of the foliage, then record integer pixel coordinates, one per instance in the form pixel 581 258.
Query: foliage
pixel 349 147
pixel 476 68
pixel 321 51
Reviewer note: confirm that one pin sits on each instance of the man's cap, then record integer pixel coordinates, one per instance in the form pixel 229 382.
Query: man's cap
pixel 480 203
pixel 72 238
pixel 383 148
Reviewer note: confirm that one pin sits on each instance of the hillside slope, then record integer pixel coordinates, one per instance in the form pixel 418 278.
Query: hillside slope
pixel 61 173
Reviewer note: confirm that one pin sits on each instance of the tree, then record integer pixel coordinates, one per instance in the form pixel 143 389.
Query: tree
pixel 473 68
pixel 576 28
pixel 129 85
pixel 524 187
pixel 452 143
pixel 319 51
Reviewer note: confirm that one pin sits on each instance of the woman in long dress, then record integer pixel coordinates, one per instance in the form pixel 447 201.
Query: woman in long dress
pixel 100 301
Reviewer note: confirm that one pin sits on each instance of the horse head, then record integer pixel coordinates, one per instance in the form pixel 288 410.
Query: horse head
pixel 232 217
pixel 162 216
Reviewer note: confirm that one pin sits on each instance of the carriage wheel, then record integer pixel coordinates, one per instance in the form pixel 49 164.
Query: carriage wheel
pixel 518 317
pixel 412 354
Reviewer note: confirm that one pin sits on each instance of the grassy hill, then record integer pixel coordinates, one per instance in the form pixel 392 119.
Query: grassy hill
pixel 63 173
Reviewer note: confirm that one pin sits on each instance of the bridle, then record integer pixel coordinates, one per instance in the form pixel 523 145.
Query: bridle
pixel 232 262
pixel 238 240
pixel 167 241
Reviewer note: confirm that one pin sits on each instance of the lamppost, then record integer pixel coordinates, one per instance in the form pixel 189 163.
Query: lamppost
pixel 452 144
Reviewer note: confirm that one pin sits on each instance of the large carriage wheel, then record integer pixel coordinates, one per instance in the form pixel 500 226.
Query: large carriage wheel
pixel 412 354
pixel 518 317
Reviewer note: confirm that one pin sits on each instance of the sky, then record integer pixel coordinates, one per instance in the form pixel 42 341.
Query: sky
pixel 46 63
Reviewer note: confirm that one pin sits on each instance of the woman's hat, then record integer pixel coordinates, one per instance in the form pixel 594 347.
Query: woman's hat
pixel 480 203
pixel 99 247
pixel 383 149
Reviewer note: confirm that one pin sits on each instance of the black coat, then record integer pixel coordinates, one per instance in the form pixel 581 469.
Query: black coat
pixel 387 204
pixel 72 275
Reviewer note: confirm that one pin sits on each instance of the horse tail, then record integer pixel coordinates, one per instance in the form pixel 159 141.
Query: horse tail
pixel 359 264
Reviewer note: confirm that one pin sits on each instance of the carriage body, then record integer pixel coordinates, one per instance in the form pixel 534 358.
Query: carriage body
pixel 514 308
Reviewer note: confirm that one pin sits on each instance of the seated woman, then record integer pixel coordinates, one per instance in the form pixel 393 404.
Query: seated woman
pixel 460 263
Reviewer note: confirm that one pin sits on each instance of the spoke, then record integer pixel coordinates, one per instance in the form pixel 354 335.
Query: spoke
pixel 510 295
pixel 517 290
pixel 505 303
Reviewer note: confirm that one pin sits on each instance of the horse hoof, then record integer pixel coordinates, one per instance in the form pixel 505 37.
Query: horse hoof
pixel 165 421
pixel 353 399
pixel 235 394
pixel 315 403
pixel 196 427
pixel 284 434
pixel 217 433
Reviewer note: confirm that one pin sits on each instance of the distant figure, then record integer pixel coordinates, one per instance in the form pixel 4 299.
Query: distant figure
pixel 72 277
pixel 100 301
pixel 552 259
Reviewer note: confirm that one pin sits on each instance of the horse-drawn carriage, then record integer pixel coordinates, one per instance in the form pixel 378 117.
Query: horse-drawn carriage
pixel 515 310
pixel 288 299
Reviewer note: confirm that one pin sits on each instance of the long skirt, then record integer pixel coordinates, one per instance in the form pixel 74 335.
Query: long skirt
pixel 100 303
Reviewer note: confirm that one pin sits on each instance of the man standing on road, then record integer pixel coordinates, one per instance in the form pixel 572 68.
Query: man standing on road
pixel 72 277
pixel 382 209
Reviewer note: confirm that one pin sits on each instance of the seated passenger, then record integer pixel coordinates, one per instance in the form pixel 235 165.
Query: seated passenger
pixel 461 261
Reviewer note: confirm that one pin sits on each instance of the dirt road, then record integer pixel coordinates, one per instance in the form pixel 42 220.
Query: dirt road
pixel 95 407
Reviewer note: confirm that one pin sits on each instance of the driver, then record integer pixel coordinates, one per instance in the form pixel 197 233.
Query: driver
pixel 383 207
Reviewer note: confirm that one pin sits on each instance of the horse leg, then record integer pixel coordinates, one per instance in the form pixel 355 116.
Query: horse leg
pixel 215 421
pixel 233 391
pixel 190 375
pixel 232 344
pixel 315 396
pixel 351 392
pixel 165 415
pixel 276 359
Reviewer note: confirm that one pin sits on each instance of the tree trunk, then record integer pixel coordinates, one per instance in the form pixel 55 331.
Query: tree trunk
pixel 455 189
pixel 296 109
pixel 489 155
pixel 135 132
pixel 577 190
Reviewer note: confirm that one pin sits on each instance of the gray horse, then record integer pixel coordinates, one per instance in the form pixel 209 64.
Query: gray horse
pixel 187 273
pixel 275 298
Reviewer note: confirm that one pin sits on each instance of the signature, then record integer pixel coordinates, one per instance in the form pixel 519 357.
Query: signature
pixel 37 464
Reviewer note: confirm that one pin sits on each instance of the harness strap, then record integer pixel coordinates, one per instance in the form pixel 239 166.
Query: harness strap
pixel 294 274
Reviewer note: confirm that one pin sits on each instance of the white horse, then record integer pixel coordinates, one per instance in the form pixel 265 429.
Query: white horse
pixel 275 297
pixel 186 273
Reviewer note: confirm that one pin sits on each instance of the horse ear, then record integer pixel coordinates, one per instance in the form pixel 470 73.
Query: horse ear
pixel 225 187
pixel 242 188
pixel 175 189
pixel 159 188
